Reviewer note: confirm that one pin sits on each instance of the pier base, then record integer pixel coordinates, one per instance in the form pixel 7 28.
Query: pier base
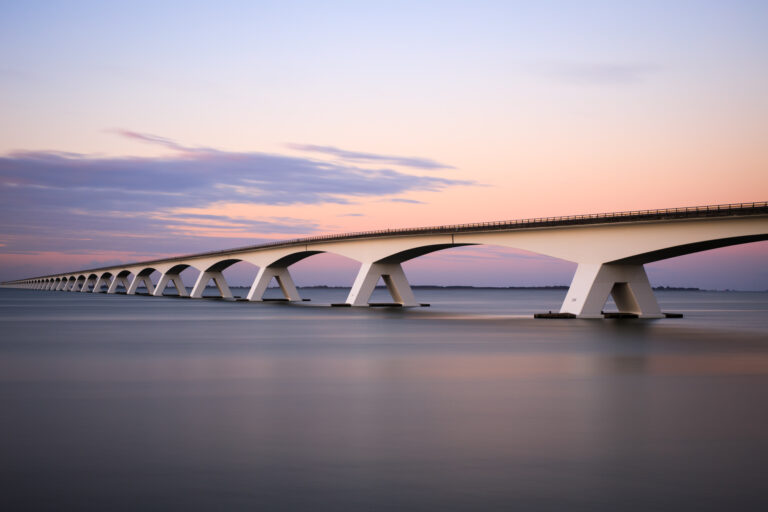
pixel 627 284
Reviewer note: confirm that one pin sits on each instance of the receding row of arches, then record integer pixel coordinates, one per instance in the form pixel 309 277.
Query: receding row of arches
pixel 200 276
pixel 188 279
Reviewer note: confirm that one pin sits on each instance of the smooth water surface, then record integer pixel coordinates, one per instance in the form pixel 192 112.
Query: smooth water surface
pixel 113 402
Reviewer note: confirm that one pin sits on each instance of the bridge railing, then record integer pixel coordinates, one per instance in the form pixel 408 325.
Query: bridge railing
pixel 690 211
pixel 716 210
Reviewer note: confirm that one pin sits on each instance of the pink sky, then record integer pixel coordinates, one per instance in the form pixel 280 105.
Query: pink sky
pixel 123 140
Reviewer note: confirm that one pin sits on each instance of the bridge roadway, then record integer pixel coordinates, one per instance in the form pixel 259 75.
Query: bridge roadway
pixel 610 249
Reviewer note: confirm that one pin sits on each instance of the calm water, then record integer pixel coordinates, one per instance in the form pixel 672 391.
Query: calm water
pixel 139 403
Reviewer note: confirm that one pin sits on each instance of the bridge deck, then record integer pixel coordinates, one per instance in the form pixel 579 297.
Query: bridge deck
pixel 720 210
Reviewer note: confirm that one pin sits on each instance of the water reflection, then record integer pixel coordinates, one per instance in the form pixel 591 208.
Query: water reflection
pixel 130 402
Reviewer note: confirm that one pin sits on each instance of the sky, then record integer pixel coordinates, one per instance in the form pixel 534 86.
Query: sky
pixel 138 130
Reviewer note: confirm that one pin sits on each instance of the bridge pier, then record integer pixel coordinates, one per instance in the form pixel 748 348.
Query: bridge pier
pixel 138 280
pixel 85 287
pixel 100 281
pixel 628 284
pixel 116 281
pixel 283 278
pixel 394 278
pixel 177 283
pixel 218 279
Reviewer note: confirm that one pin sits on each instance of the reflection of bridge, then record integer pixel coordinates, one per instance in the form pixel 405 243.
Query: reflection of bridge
pixel 610 250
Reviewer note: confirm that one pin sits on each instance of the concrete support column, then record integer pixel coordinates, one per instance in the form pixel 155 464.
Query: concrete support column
pixel 85 287
pixel 77 286
pixel 137 281
pixel 283 278
pixel 101 280
pixel 218 280
pixel 177 282
pixel 628 284
pixel 118 280
pixel 394 278
pixel 62 285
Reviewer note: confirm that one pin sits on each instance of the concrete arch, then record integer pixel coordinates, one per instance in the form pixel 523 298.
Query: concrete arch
pixel 142 276
pixel 91 278
pixel 121 277
pixel 641 242
pixel 685 249
pixel 222 264
pixel 211 270
pixel 103 279
pixel 173 275
pixel 276 267
pixel 79 283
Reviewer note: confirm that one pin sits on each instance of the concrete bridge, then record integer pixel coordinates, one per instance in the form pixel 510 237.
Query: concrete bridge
pixel 610 249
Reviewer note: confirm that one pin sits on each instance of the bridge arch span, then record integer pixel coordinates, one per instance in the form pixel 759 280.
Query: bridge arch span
pixel 171 274
pixel 142 275
pixel 89 278
pixel 120 277
pixel 79 283
pixel 691 248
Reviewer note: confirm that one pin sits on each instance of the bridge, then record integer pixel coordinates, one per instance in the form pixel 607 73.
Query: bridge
pixel 610 249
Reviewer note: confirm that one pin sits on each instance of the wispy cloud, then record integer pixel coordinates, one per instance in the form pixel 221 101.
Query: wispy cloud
pixel 151 139
pixel 357 156
pixel 605 73
pixel 403 200
pixel 69 201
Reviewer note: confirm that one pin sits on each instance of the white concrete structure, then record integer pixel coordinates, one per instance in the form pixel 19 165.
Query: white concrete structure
pixel 610 250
